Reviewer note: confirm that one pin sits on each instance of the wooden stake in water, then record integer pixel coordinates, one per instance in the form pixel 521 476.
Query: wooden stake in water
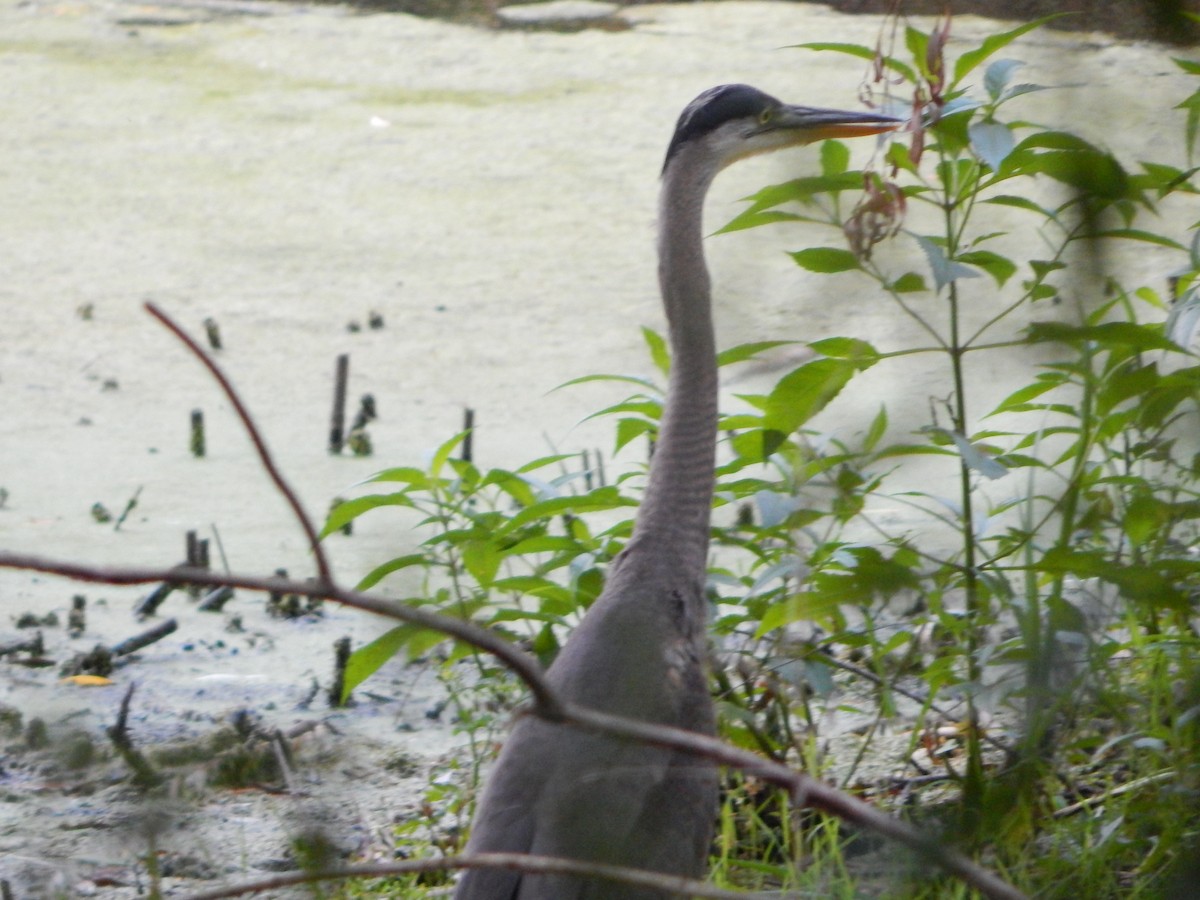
pixel 341 656
pixel 337 424
pixel 197 433
pixel 213 332
pixel 469 428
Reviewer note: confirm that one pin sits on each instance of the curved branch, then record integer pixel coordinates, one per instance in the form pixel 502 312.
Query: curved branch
pixel 260 445
pixel 803 789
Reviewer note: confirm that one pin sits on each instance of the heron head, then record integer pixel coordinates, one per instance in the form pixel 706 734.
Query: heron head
pixel 734 121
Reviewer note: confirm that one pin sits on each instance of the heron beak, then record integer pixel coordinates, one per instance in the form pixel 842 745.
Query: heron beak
pixel 809 124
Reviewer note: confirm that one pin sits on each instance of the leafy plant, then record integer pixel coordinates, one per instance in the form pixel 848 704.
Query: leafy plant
pixel 1036 620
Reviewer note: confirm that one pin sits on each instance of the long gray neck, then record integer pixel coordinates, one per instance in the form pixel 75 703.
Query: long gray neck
pixel 678 500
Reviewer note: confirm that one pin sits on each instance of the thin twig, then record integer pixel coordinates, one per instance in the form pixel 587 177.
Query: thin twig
pixel 543 865
pixel 264 455
pixel 522 665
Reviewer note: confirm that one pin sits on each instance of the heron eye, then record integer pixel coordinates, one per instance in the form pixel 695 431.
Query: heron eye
pixel 764 117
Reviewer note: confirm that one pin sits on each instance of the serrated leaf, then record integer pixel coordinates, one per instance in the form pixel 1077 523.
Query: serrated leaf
pixel 826 259
pixel 804 392
pixel 944 270
pixel 743 352
pixel 991 141
pixel 845 348
pixel 997 75
pixel 973 458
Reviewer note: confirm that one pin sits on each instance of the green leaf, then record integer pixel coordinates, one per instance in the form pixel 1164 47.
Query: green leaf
pixel 1072 161
pixel 876 430
pixel 1108 334
pixel 416 478
pixel 1144 518
pixel 630 429
pixel 442 454
pixel 366 661
pixel 743 352
pixel 835 158
pixel 991 44
pixel 1019 399
pixel 803 393
pixel 807 606
pixel 630 379
pixel 1020 203
pixel 908 283
pixel 861 52
pixel 380 572
pixel 1154 586
pixel 594 501
pixel 658 349
pixel 826 259
pixel 846 348
pixel 349 510
pixel 1001 268
pixel 481 558
pixel 1135 234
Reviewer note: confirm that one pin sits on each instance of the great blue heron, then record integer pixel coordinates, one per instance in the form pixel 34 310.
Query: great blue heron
pixel 640 651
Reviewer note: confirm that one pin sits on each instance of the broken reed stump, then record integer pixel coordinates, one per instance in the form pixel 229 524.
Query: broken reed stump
pixel 35 646
pixel 366 412
pixel 469 428
pixel 197 440
pixel 144 774
pixel 214 600
pixel 149 604
pixel 77 617
pixel 196 554
pixel 341 656
pixel 213 332
pixel 337 422
pixel 100 660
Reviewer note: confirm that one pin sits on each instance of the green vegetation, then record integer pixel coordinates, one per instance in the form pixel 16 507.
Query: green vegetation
pixel 1030 623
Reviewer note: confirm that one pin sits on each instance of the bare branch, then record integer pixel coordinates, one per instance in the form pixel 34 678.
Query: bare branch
pixel 522 665
pixel 804 790
pixel 314 542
